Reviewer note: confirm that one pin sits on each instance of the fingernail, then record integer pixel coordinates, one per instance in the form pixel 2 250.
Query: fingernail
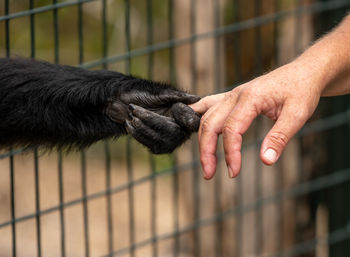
pixel 130 116
pixel 205 172
pixel 131 107
pixel 270 155
pixel 230 171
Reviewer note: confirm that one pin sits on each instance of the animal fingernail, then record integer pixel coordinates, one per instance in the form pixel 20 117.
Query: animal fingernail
pixel 130 116
pixel 131 107
pixel 270 155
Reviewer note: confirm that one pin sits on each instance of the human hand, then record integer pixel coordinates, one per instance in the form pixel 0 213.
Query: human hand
pixel 288 95
pixel 155 115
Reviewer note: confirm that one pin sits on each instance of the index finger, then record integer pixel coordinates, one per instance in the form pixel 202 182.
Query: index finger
pixel 205 103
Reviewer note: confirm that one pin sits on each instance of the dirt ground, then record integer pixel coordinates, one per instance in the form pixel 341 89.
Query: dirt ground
pixel 233 234
pixel 26 232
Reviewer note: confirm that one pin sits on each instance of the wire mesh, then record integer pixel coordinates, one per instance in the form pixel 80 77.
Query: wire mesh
pixel 187 229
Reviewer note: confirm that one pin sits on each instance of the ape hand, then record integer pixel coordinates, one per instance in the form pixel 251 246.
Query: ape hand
pixel 156 116
pixel 47 105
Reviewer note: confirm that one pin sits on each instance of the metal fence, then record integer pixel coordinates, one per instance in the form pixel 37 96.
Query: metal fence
pixel 117 200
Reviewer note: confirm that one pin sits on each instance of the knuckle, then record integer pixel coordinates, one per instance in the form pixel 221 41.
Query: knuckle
pixel 300 114
pixel 227 130
pixel 231 95
pixel 205 126
pixel 202 159
pixel 250 94
pixel 279 139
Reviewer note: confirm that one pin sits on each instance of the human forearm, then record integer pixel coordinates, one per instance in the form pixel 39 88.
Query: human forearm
pixel 327 62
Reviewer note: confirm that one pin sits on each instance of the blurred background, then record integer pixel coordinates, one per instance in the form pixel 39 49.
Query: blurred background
pixel 116 199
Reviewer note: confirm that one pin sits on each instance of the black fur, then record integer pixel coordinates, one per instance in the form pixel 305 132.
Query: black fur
pixel 62 106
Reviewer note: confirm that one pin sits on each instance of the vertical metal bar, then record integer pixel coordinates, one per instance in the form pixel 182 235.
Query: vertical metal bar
pixel 61 199
pixel 236 43
pixel 32 30
pixel 109 198
pixel 11 160
pixel 13 211
pixel 131 199
pixel 128 142
pixel 7 28
pixel 258 40
pixel 238 194
pixel 104 32
pixel 127 34
pixel 35 151
pixel 153 208
pixel 83 155
pixel 37 202
pixel 276 34
pixel 106 144
pixel 176 249
pixel 219 246
pixel 60 155
pixel 258 170
pixel 56 31
pixel 80 33
pixel 85 207
pixel 175 176
pixel 151 158
pixel 171 37
pixel 195 171
pixel 298 27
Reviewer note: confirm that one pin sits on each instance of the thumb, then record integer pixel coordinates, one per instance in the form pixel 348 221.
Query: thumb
pixel 287 125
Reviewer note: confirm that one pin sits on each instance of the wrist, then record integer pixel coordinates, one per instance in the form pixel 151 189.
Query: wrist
pixel 308 75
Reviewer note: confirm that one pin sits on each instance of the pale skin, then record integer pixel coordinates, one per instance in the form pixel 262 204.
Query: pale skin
pixel 288 95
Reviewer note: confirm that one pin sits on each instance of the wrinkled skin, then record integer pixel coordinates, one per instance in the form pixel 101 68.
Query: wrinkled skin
pixel 57 106
pixel 161 121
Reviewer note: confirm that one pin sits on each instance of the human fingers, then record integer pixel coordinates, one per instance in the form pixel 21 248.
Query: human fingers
pixel 235 126
pixel 287 125
pixel 207 102
pixel 210 128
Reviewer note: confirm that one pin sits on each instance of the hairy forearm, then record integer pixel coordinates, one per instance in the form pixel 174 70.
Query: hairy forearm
pixel 327 62
pixel 50 105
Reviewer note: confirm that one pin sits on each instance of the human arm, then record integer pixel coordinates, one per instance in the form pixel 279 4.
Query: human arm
pixel 289 95
pixel 63 106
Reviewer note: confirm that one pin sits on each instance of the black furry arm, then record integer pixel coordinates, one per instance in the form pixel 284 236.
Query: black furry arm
pixel 62 106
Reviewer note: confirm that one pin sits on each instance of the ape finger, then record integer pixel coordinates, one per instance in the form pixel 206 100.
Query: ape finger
pixel 186 117
pixel 142 134
pixel 117 111
pixel 156 100
pixel 154 140
pixel 165 126
pixel 174 96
